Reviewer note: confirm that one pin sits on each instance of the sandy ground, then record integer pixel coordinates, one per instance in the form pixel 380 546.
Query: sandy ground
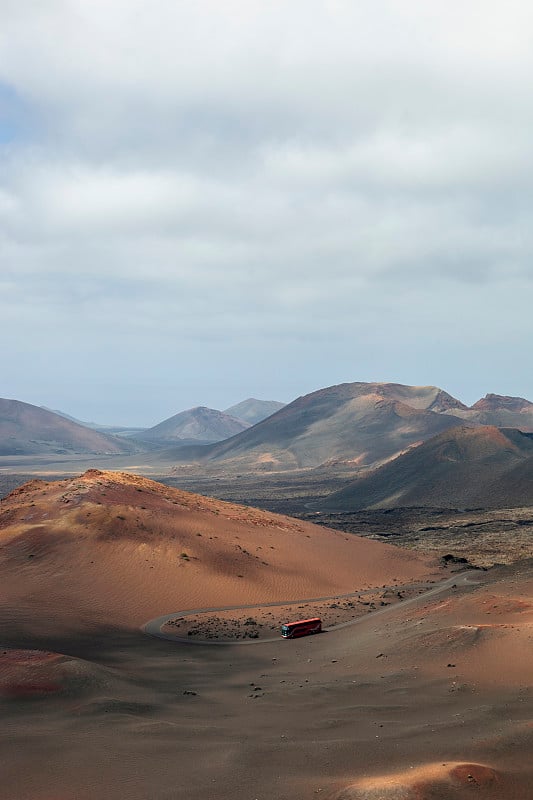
pixel 117 549
pixel 264 622
pixel 385 709
pixel 429 699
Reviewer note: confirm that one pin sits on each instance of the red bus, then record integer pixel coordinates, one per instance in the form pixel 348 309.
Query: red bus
pixel 303 627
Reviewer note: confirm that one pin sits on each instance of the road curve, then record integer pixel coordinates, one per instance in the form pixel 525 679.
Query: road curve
pixel 153 626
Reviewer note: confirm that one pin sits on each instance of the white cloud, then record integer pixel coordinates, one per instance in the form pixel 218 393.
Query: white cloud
pixel 233 172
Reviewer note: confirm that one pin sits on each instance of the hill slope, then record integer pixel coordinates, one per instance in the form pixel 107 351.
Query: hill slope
pixel 364 423
pixel 461 468
pixel 26 429
pixel 116 549
pixel 198 424
pixel 501 411
pixel 253 411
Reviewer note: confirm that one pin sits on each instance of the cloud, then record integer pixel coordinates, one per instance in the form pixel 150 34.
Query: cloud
pixel 327 177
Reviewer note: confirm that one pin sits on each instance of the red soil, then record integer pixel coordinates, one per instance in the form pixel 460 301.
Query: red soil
pixel 117 549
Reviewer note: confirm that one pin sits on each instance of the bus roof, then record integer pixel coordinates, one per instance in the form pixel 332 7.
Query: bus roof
pixel 303 621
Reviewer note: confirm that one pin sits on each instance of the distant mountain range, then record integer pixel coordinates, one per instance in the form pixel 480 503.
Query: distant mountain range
pixel 114 430
pixel 360 423
pixel 26 429
pixel 208 425
pixel 359 426
pixel 249 411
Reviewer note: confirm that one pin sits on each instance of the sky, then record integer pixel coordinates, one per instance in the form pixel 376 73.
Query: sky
pixel 206 201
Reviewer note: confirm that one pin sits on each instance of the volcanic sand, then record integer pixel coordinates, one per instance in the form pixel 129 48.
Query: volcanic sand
pixel 427 701
pixel 111 548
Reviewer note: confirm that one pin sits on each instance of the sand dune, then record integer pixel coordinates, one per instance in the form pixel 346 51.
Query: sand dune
pixel 452 781
pixel 116 548
pixel 464 657
pixel 429 699
pixel 485 635
pixel 36 674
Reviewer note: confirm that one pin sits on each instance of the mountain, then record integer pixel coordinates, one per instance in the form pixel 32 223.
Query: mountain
pixel 64 414
pixel 498 402
pixel 501 411
pixel 253 411
pixel 113 430
pixel 362 423
pixel 110 548
pixel 26 429
pixel 460 468
pixel 196 425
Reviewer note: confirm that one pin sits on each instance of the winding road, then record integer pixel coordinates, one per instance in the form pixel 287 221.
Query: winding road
pixel 153 626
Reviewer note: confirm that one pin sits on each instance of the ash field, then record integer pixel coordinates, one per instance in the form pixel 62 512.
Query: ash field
pixel 141 654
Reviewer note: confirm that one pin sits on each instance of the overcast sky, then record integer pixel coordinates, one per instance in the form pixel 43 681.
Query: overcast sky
pixel 206 201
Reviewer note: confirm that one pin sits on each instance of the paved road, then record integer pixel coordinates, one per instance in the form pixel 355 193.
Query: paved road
pixel 153 627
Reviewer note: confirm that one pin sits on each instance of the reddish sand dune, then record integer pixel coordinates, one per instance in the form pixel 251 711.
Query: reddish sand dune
pixel 428 699
pixel 484 637
pixel 463 660
pixel 112 548
pixel 444 781
pixel 34 674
